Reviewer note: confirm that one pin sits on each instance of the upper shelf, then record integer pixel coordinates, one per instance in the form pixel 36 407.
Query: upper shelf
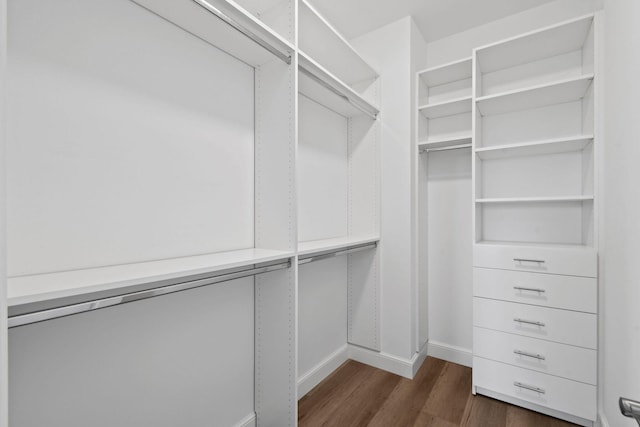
pixel 338 243
pixel 67 284
pixel 551 41
pixel 446 108
pixel 322 86
pixel 549 146
pixel 557 92
pixel 225 25
pixel 320 41
pixel 449 141
pixel 447 73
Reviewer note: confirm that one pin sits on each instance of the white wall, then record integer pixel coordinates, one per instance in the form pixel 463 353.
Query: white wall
pixel 450 254
pixel 620 225
pixel 388 49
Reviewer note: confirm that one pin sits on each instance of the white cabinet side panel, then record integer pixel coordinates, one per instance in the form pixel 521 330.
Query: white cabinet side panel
pixel 275 199
pixel 322 172
pixel 275 338
pixel 450 251
pixel 3 271
pixel 143 147
pixel 184 359
pixel 322 307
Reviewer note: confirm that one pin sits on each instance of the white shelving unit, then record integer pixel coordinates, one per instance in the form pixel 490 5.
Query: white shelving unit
pixel 183 172
pixel 338 193
pixel 443 115
pixel 535 138
pixel 444 104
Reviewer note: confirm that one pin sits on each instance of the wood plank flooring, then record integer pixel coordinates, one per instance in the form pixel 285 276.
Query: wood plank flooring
pixel 439 396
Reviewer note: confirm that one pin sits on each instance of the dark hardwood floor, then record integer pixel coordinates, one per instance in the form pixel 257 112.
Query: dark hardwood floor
pixel 439 396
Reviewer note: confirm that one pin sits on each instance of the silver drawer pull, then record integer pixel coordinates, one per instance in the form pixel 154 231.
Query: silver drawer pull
pixel 530 387
pixel 537 261
pixel 532 355
pixel 528 322
pixel 520 288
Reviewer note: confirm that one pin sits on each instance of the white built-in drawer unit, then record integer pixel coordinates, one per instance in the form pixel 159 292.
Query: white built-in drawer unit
pixel 549 290
pixel 563 326
pixel 567 361
pixel 549 391
pixel 535 138
pixel 568 260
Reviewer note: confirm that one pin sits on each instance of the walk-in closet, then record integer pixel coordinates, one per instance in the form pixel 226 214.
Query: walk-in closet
pixel 270 213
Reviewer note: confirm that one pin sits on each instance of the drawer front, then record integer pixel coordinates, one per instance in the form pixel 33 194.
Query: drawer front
pixel 563 326
pixel 565 260
pixel 574 363
pixel 563 395
pixel 549 290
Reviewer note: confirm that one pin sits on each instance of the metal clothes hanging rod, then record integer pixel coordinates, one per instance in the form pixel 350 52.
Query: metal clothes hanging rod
pixel 373 114
pixel 339 252
pixel 285 56
pixel 453 147
pixel 83 307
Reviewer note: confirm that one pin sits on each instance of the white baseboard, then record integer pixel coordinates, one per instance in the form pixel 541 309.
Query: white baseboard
pixel 248 421
pixel 313 377
pixel 419 359
pixel 602 420
pixel 450 353
pixel 387 362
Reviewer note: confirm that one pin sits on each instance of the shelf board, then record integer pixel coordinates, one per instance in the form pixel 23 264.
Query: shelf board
pixel 534 199
pixel 318 246
pixel 446 108
pixel 226 26
pixel 318 38
pixel 555 40
pixel 549 146
pixel 535 245
pixel 325 88
pixel 445 142
pixel 557 92
pixel 447 73
pixel 67 284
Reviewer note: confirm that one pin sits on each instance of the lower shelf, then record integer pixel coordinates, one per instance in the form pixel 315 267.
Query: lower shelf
pixel 324 245
pixel 67 284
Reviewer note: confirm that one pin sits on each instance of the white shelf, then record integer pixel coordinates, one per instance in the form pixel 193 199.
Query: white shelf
pixel 446 108
pixel 535 199
pixel 445 142
pixel 242 36
pixel 325 88
pixel 43 287
pixel 447 73
pixel 318 246
pixel 557 92
pixel 550 146
pixel 551 41
pixel 321 41
pixel 535 245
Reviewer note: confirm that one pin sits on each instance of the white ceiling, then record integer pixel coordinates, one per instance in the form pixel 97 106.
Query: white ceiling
pixel 435 18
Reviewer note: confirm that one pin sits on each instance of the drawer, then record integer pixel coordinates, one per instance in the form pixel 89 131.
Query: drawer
pixel 563 326
pixel 573 261
pixel 563 395
pixel 574 363
pixel 549 290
